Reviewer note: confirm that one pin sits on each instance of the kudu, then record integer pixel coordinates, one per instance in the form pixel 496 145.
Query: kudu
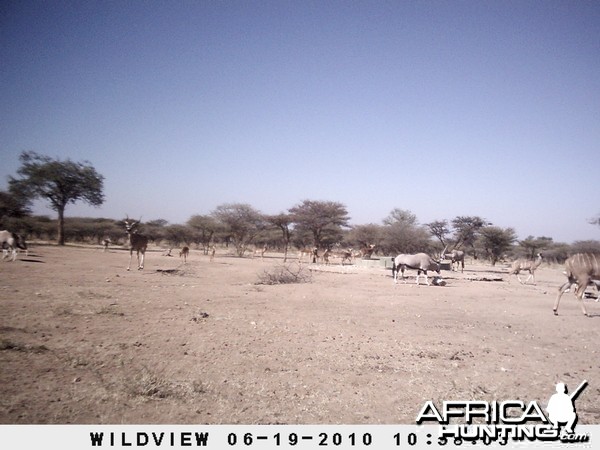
pixel 137 242
pixel 525 265
pixel 581 269
pixel 421 262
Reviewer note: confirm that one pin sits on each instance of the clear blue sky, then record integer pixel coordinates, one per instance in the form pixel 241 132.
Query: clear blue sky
pixel 443 108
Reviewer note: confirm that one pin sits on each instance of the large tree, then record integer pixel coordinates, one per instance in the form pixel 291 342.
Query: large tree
pixel 59 182
pixel 496 241
pixel 283 222
pixel 466 231
pixel 403 234
pixel 323 219
pixel 203 230
pixel 242 222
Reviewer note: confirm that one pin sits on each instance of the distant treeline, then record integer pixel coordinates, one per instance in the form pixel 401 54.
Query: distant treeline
pixel 394 236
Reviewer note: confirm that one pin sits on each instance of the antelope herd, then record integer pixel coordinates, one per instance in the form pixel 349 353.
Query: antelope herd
pixel 582 269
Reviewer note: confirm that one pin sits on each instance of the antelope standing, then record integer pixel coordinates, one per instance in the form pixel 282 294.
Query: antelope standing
pixel 421 262
pixel 185 251
pixel 581 269
pixel 312 253
pixel 347 255
pixel 213 250
pixel 260 251
pixel 367 251
pixel 105 243
pixel 11 241
pixel 455 256
pixel 137 242
pixel 326 255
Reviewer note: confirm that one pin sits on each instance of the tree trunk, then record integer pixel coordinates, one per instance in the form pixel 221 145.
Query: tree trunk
pixel 61 225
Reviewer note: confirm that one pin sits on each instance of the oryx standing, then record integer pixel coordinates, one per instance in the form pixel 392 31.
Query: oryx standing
pixel 421 262
pixel 455 256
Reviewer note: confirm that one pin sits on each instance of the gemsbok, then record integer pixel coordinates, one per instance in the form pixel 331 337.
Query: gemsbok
pixel 455 256
pixel 11 241
pixel 137 242
pixel 184 253
pixel 525 265
pixel 581 269
pixel 421 262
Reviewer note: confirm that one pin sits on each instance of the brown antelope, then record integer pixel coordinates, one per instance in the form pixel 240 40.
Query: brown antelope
pixel 105 243
pixel 185 251
pixel 312 253
pixel 422 262
pixel 367 251
pixel 455 256
pixel 213 250
pixel 137 242
pixel 525 265
pixel 581 269
pixel 347 255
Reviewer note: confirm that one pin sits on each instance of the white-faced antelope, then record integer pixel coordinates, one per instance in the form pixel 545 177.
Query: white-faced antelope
pixel 525 265
pixel 421 262
pixel 11 241
pixel 581 269
pixel 185 251
pixel 137 242
pixel 455 256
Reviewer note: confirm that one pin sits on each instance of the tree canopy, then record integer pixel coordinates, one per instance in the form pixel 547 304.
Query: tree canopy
pixel 59 182
pixel 323 219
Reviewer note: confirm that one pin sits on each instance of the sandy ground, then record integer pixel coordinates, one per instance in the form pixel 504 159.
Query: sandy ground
pixel 84 341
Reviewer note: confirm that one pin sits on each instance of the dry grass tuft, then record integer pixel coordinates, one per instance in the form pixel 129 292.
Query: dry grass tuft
pixel 158 385
pixel 285 274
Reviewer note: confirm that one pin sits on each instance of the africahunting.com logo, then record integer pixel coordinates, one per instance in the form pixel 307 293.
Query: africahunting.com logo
pixel 507 420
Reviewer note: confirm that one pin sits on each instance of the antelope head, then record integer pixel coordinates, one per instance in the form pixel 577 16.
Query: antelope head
pixel 131 224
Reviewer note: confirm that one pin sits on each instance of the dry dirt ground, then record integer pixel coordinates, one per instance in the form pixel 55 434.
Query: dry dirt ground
pixel 84 341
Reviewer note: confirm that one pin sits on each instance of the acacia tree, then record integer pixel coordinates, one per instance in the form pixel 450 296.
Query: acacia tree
pixel 59 182
pixel 439 229
pixel 466 231
pixel 321 218
pixel 403 234
pixel 283 222
pixel 532 246
pixel 241 221
pixel 204 228
pixel 496 241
